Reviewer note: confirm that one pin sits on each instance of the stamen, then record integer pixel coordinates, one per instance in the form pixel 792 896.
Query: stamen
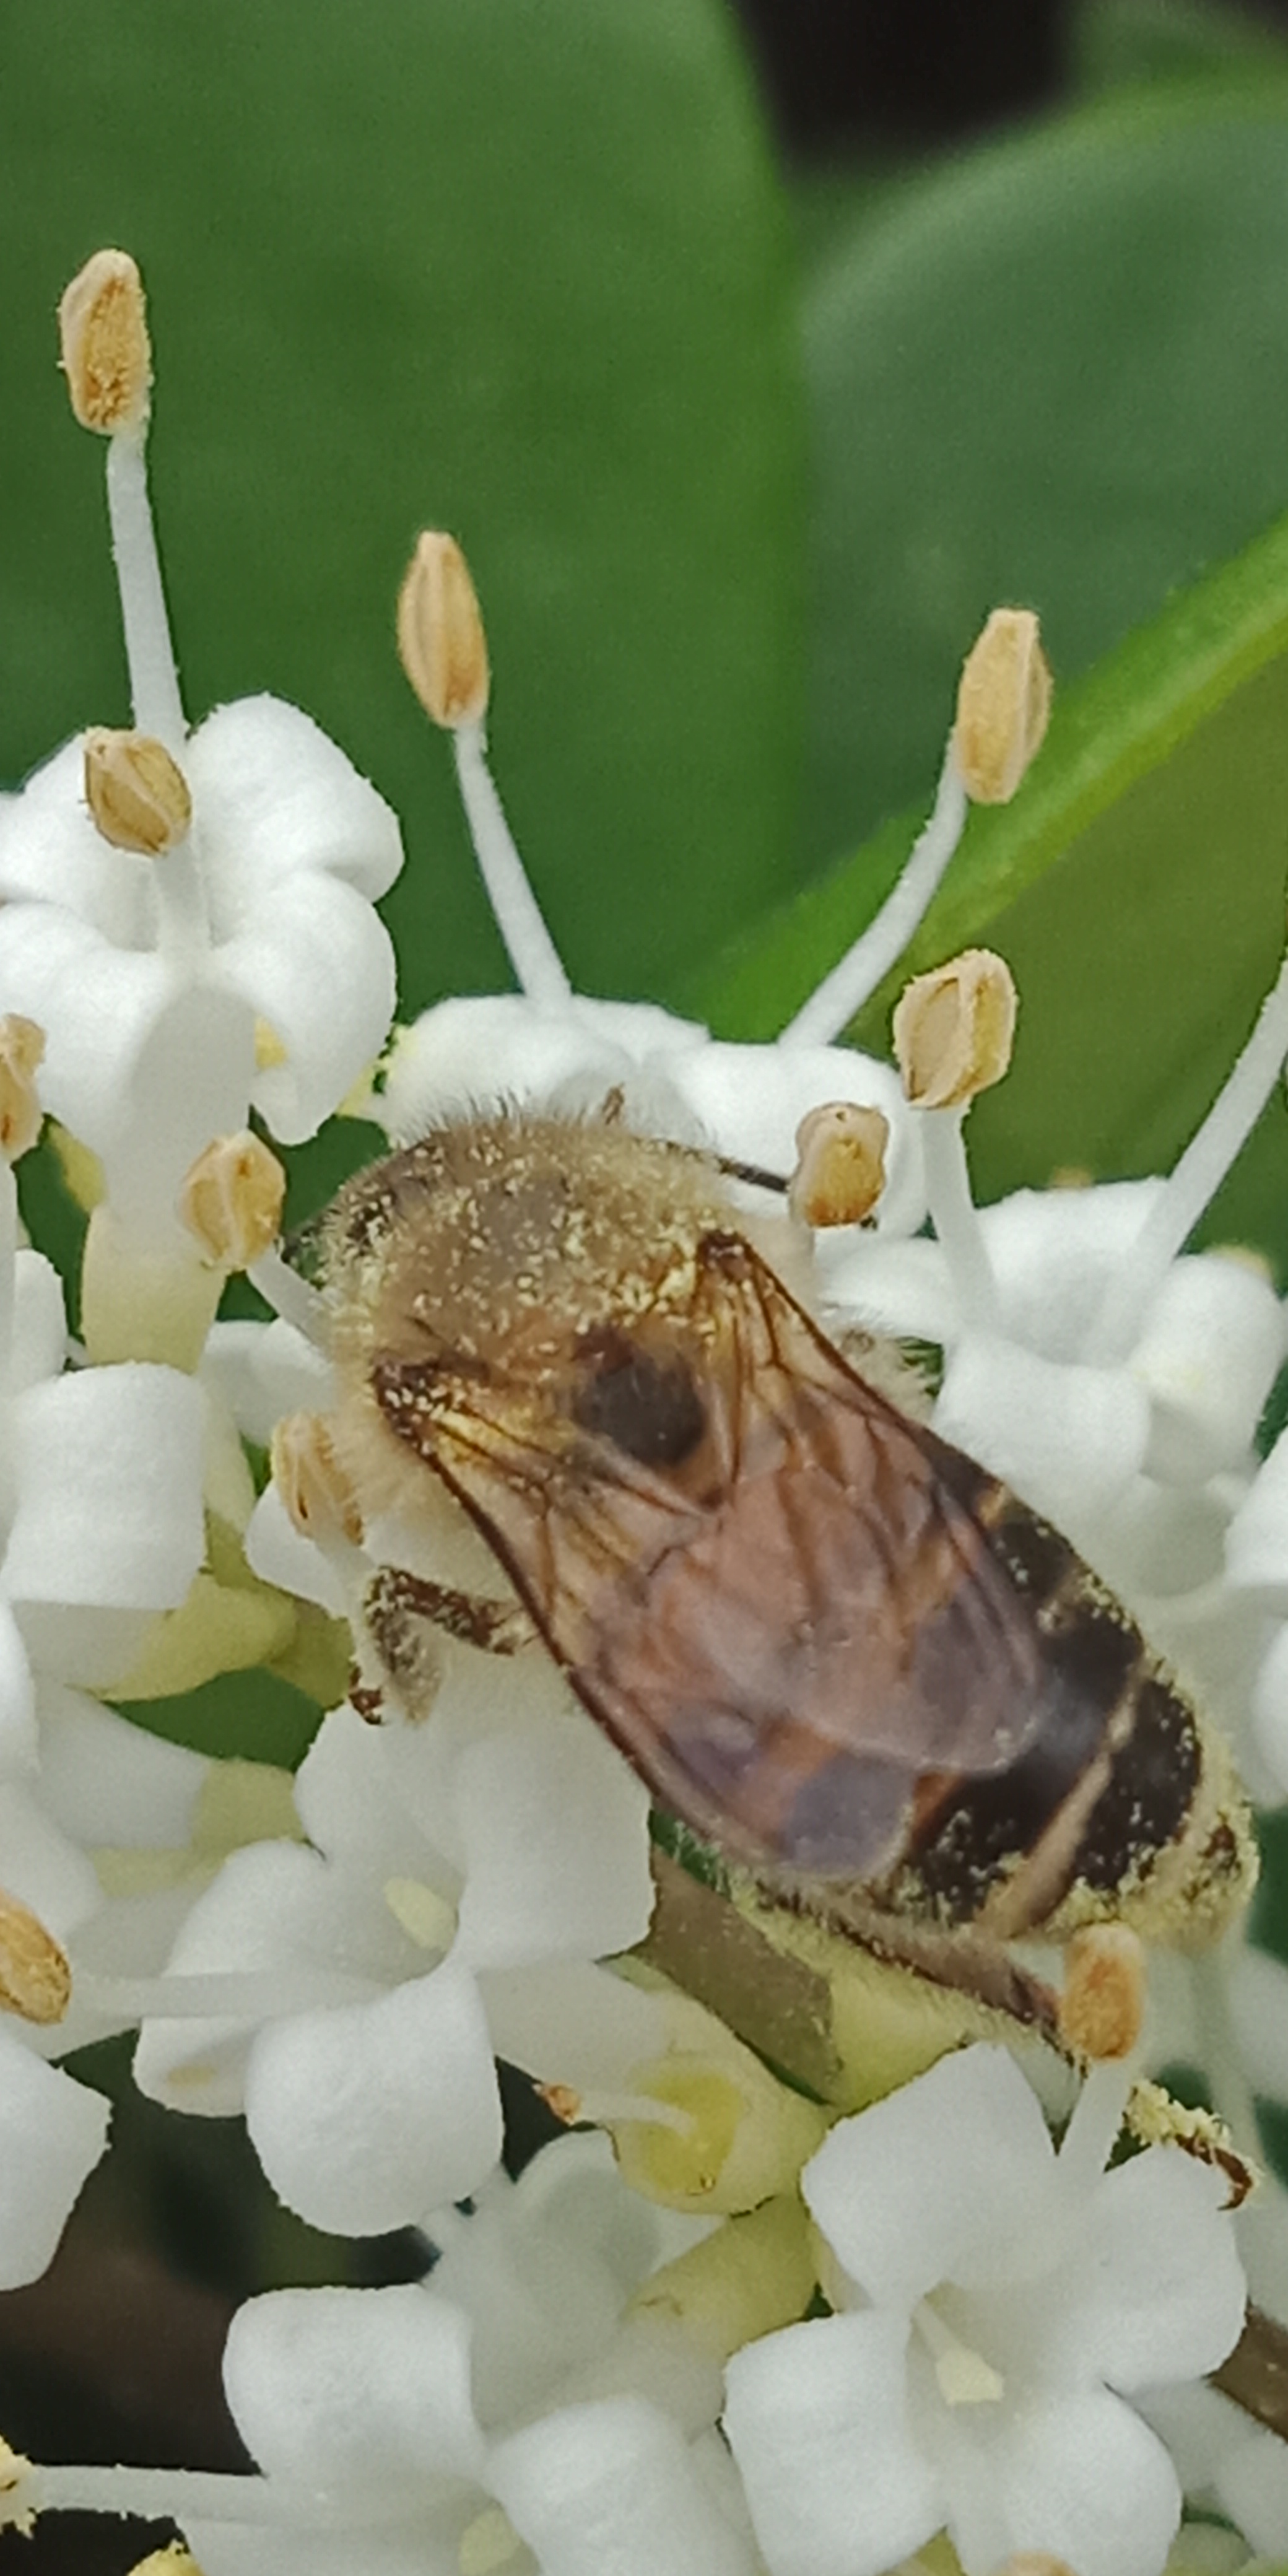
pixel 490 2541
pixel 425 1916
pixel 136 792
pixel 965 2378
pixel 1196 1178
pixel 108 362
pixel 441 643
pixel 22 1048
pixel 1102 2007
pixel 231 1200
pixel 201 2495
pixel 840 1164
pixel 956 1218
pixel 1092 2133
pixel 1003 703
pixel 232 1994
pixel 316 1494
pixel 296 1300
pixel 843 992
pixel 35 1980
pixel 443 650
pixel 531 950
pixel 954 1029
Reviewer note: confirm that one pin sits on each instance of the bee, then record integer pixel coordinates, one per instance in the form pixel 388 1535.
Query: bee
pixel 837 1651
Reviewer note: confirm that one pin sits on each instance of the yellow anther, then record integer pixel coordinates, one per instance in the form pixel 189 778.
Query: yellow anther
pixel 840 1164
pixel 441 642
pixel 22 1045
pixel 953 1029
pixel 1003 702
pixel 319 1500
pixel 231 1200
pixel 136 792
pixel 35 1979
pixel 102 324
pixel 1103 2003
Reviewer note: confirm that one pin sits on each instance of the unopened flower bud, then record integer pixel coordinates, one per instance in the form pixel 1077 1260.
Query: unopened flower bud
pixel 22 1046
pixel 315 1491
pixel 741 2138
pixel 840 1164
pixel 35 1980
pixel 231 1200
pixel 747 2278
pixel 107 359
pixel 1103 2003
pixel 136 792
pixel 953 1029
pixel 1003 702
pixel 441 643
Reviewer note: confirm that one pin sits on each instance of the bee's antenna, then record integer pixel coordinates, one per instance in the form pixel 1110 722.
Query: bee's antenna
pixel 753 1174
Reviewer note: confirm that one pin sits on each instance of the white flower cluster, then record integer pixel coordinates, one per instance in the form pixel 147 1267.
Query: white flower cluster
pixel 753 2338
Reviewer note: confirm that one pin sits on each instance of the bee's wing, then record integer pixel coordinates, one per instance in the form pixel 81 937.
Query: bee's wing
pixel 786 1634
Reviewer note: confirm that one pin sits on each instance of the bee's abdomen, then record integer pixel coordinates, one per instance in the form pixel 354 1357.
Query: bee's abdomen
pixel 1109 1776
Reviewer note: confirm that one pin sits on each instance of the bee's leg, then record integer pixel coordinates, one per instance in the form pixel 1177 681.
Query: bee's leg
pixel 404 1615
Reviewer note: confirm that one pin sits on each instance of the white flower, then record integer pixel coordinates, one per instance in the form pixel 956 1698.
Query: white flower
pixel 150 976
pixel 100 1498
pixel 362 2402
pixel 1004 2299
pixel 462 1876
pixel 446 2427
pixel 104 1794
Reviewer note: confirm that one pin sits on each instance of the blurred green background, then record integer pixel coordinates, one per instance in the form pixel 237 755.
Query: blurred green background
pixel 750 375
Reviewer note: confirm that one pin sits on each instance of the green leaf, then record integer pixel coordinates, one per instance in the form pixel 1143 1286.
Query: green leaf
pixel 1117 41
pixel 1136 886
pixel 517 267
pixel 1057 373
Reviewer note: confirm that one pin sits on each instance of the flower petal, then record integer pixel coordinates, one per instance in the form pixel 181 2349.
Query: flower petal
pixel 272 795
pixel 1067 1438
pixel 39 1322
pixel 52 2133
pixel 367 2117
pixel 937 2181
pixel 18 1739
pixel 750 1101
pixel 1083 2481
pixel 1156 2291
pixel 611 2490
pixel 556 1847
pixel 52 855
pixel 353 2389
pixel 482 1051
pixel 1207 1356
pixel 104 1780
pixel 108 1465
pixel 140 1060
pixel 317 965
pixel 817 2421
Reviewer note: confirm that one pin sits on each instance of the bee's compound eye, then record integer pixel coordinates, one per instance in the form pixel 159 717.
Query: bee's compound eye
pixel 645 1405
